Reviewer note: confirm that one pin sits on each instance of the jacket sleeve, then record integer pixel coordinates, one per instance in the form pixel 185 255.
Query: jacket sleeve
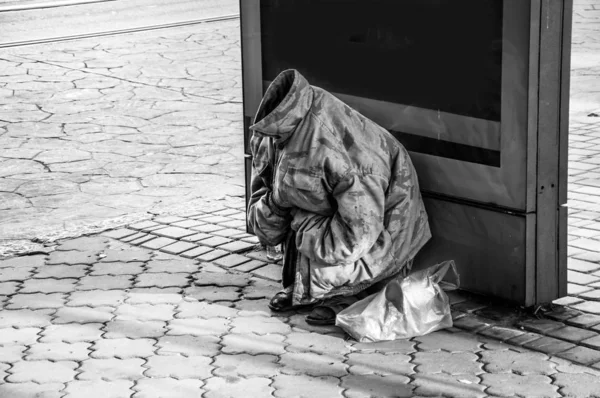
pixel 266 219
pixel 352 230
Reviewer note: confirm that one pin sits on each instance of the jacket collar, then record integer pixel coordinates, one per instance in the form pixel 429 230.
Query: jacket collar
pixel 284 105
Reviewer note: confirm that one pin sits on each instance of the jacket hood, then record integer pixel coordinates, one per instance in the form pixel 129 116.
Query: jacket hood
pixel 284 105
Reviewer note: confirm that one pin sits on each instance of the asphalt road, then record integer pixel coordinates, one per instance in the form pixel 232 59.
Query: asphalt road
pixel 91 18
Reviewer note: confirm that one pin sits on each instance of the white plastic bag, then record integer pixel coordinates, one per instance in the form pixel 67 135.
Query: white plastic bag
pixel 408 306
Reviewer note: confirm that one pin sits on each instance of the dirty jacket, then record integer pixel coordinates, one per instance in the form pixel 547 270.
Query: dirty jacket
pixel 343 185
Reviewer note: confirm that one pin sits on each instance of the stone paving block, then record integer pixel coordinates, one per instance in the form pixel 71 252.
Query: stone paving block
pixel 105 282
pixel 217 279
pixel 260 288
pixel 451 342
pixel 71 333
pixel 100 269
pixel 549 345
pixel 215 241
pixel 196 237
pixel 213 293
pixel 577 385
pixel 29 389
pixel 174 232
pixel 317 343
pixel 25 318
pixel 61 271
pixel 119 233
pixel 582 266
pixel 463 386
pixel 572 334
pixel 36 301
pixel 42 372
pixel 452 363
pixel 133 329
pixel 298 322
pixel 99 388
pixel 207 228
pixel 82 315
pixel 158 243
pixel 212 255
pixel 172 266
pixel 592 307
pixel 134 237
pixel 198 327
pixel 226 212
pixel 372 385
pixel 584 320
pixel 541 326
pixel 250 266
pixel 11 354
pixel 380 364
pixel 582 355
pixel 243 365
pixel 500 333
pixel 144 225
pixel 195 309
pixel 270 271
pixel 189 346
pixel 178 247
pixel 8 288
pixel 142 239
pixel 95 298
pixel 568 300
pixel 237 246
pixel 71 257
pixel 162 279
pixel 112 369
pixel 179 367
pixel 154 295
pixel 259 255
pixel 130 254
pixel 593 295
pixel 522 363
pixel 239 224
pixel 210 267
pixel 562 314
pixel 581 278
pixel 251 239
pixel 168 388
pixel 12 274
pixel 306 386
pixel 187 223
pixel 218 387
pixel 231 260
pixel 24 336
pixel 123 348
pixel 58 351
pixel 197 251
pixel 506 384
pixel 259 325
pixel 49 285
pixel 168 219
pixel 28 262
pixel 228 233
pixel 576 290
pixel 216 219
pixel 253 344
pixel 145 312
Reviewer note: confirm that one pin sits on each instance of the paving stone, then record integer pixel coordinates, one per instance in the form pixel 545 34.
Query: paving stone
pixel 82 315
pixel 213 293
pixel 372 385
pixel 231 260
pixel 99 388
pixel 464 386
pixel 29 389
pixel 100 269
pixel 144 225
pixel 568 300
pixel 581 278
pixel 12 274
pixel 27 262
pixel 588 306
pixel 123 348
pixel 561 314
pixel 298 322
pixel 188 345
pixel 187 223
pixel 196 237
pixel 174 232
pixel 105 282
pixel 582 266
pixel 306 386
pixel 210 267
pixel 583 355
pixel 135 237
pixel 237 246
pixel 452 342
pixel 501 333
pixel 8 288
pixel 145 312
pixel 212 255
pixel 217 279
pixel 172 266
pixel 179 367
pixel 196 252
pixel 572 334
pixel 131 254
pixel 168 388
pixel 270 271
pixel 243 365
pixel 522 363
pixel 112 369
pixel 452 363
pixel 506 384
pixel 61 271
pixel 577 290
pixel 36 301
pixel 178 247
pixel 157 243
pixel 549 345
pixel 142 239
pixel 42 372
pixel 317 343
pixel 58 351
pixel 119 233
pixel 24 336
pixel 90 244
pixel 229 233
pixel 239 224
pixel 259 255
pixel 591 295
pixel 168 219
pixel 49 285
pixel 218 387
pixel 250 266
pixel 577 385
pixel 133 329
pixel 253 307
pixel 524 338
pixel 71 333
pixel 71 257
pixel 592 342
pixel 154 295
pixel 215 241
pixel 259 325
pixel 542 326
pixel 253 344
pixel 207 228
pixel 380 364
pixel 198 327
pixel 162 280
pixel 200 309
pixel 95 298
pixel 25 318
pixel 11 354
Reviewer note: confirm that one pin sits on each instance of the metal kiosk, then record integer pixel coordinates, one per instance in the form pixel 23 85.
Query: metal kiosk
pixel 476 90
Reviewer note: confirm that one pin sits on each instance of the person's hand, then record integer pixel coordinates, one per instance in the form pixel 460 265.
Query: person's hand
pixel 275 206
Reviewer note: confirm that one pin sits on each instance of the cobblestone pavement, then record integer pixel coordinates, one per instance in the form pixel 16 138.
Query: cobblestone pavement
pixel 101 317
pixel 96 133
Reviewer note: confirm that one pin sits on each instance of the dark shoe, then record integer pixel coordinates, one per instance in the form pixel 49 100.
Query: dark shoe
pixel 282 301
pixel 325 313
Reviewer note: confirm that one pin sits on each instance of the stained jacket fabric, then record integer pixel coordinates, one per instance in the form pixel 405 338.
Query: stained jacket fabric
pixel 343 184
